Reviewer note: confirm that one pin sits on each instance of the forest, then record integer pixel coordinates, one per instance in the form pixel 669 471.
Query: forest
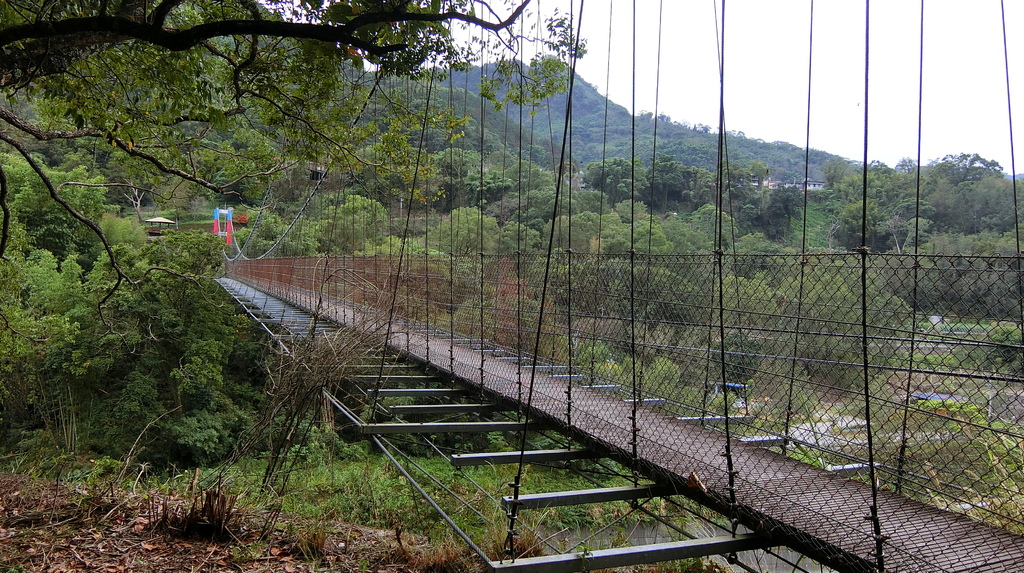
pixel 367 127
pixel 87 368
pixel 114 343
pixel 489 185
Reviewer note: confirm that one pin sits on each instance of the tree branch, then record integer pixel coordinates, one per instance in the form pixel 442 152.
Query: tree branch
pixel 103 185
pixel 156 162
pixel 160 13
pixel 10 328
pixel 19 123
pixel 112 27
pixel 271 171
pixel 5 228
pixel 92 225
pixel 8 115
pixel 385 17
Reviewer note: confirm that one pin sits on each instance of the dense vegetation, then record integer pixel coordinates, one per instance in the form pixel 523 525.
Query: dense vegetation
pixel 165 366
pixel 112 345
pixel 107 337
pixel 494 201
pixel 88 369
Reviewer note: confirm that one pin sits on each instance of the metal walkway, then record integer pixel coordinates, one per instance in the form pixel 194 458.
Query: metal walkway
pixel 816 512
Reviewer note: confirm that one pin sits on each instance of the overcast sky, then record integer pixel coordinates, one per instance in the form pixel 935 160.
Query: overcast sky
pixel 766 69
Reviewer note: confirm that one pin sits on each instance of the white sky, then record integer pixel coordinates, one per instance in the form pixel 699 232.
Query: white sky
pixel 766 65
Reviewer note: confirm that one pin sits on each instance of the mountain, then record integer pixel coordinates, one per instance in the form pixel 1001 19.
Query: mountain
pixel 603 129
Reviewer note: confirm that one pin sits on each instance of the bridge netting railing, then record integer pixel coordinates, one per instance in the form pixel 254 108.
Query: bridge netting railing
pixel 784 346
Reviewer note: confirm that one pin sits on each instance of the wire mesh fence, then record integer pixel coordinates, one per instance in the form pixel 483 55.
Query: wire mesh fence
pixel 905 368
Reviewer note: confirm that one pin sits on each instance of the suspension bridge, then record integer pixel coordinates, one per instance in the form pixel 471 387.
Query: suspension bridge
pixel 788 462
pixel 861 408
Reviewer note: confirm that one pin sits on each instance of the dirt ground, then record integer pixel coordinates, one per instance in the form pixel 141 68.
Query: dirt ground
pixel 51 527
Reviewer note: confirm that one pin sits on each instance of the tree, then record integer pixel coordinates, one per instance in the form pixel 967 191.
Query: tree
pixel 667 177
pixel 779 209
pixel 903 230
pixel 50 38
pixel 906 165
pixel 631 211
pixel 354 225
pixel 683 238
pixel 709 222
pixel 45 221
pixel 466 231
pixel 835 170
pixel 741 360
pixel 86 379
pixel 515 237
pixel 965 167
pixel 618 178
pixel 852 226
pixel 163 83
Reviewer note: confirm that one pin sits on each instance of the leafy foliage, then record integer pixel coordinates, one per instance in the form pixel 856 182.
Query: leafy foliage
pixel 168 350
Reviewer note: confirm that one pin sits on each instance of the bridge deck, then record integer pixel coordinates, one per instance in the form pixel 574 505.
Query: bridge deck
pixel 805 507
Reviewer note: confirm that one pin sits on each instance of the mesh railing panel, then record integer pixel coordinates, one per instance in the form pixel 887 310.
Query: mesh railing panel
pixel 943 371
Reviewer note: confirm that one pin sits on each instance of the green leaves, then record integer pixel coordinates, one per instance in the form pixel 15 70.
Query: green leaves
pixel 164 347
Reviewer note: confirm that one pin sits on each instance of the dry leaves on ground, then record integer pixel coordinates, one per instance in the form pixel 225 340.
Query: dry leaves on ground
pixel 51 527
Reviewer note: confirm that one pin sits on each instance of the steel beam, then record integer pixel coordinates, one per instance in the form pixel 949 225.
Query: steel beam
pixel 446 428
pixel 395 377
pixel 647 401
pixel 406 409
pixel 416 392
pixel 386 365
pixel 847 470
pixel 763 441
pixel 637 555
pixel 711 419
pixel 531 456
pixel 581 496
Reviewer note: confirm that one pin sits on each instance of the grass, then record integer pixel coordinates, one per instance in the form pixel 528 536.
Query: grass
pixel 365 488
pixel 370 491
pixel 335 482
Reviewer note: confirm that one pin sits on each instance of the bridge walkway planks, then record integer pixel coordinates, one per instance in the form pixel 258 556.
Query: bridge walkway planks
pixel 812 510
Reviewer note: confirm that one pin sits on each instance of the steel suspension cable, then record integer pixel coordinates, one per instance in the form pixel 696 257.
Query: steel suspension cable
pixel 601 198
pixel 654 144
pixel 427 302
pixel 516 485
pixel 705 406
pixel 480 221
pixel 634 389
pixel 529 195
pixel 410 89
pixel 568 253
pixel 1013 175
pixel 863 250
pixel 298 215
pixel 520 231
pixel 1013 155
pixel 640 366
pixel 804 255
pixel 901 455
pixel 720 271
pixel 252 229
pixel 402 247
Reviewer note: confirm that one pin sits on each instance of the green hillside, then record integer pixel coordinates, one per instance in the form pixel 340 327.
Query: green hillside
pixel 603 129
